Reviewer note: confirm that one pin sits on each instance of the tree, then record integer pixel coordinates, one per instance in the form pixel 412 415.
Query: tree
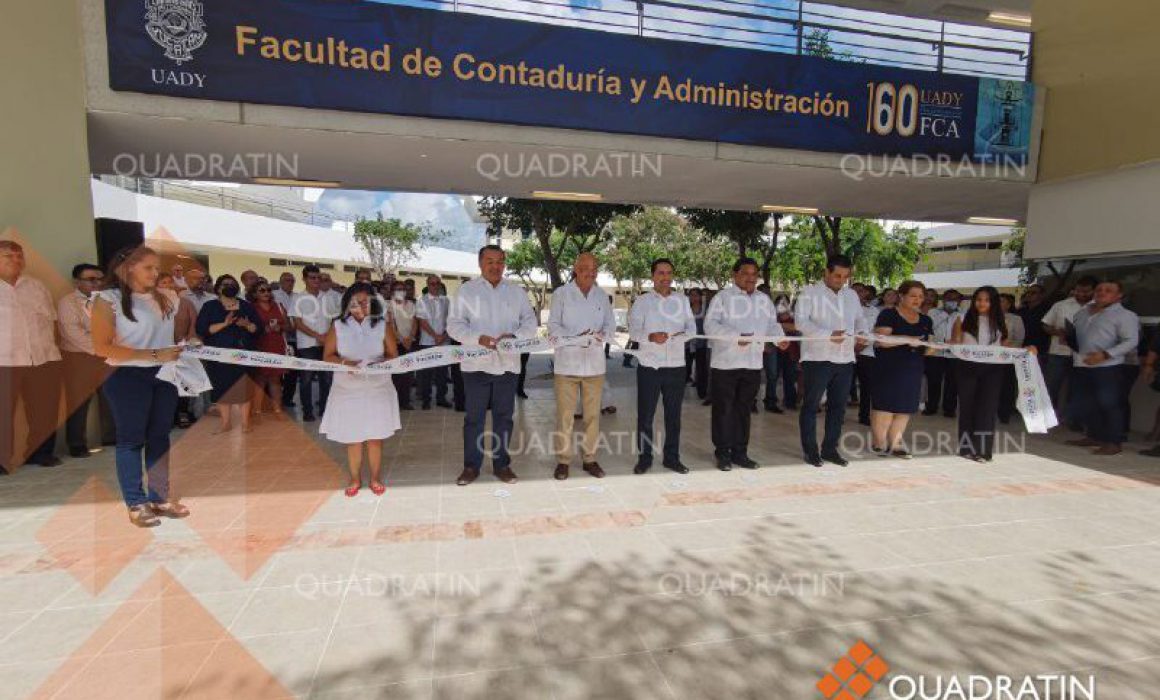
pixel 390 243
pixel 579 225
pixel 746 229
pixel 1030 271
pixel 524 261
pixel 879 257
pixel 637 239
pixel 701 258
pixel 829 230
pixel 817 43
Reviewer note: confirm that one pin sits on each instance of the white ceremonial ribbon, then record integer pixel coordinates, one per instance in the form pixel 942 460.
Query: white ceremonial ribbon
pixel 187 374
pixel 1033 402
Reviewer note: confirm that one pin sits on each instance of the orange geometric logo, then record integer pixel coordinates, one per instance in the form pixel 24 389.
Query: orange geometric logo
pixel 853 675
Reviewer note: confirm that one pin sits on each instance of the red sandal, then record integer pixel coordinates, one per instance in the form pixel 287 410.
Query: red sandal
pixel 352 491
pixel 377 488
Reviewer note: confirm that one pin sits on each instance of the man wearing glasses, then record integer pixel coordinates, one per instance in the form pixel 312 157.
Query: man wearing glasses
pixel 84 372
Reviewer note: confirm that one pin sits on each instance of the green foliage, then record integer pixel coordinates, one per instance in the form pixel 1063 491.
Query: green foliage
pixel 391 243
pixel 635 240
pixel 1029 269
pixel 817 43
pixel 880 258
pixel 746 229
pixel 559 227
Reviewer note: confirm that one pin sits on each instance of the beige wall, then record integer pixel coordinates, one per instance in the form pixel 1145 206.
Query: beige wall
pixel 44 166
pixel 1098 62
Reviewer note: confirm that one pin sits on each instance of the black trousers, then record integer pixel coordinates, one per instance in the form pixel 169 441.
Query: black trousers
pixel 941 384
pixel 733 392
pixel 403 382
pixel 83 376
pixel 979 386
pixel 833 380
pixel 439 377
pixel 652 386
pixel 701 372
pixel 524 357
pixel 289 381
pixel 1099 398
pixel 1007 394
pixel 863 367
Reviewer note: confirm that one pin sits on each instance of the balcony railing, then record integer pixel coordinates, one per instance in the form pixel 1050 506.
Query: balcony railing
pixel 223 198
pixel 783 26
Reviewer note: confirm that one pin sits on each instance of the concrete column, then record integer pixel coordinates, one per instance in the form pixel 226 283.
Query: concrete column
pixel 45 198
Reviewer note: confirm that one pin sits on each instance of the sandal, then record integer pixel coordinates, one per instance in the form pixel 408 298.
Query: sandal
pixel 352 491
pixel 170 509
pixel 143 516
pixel 377 488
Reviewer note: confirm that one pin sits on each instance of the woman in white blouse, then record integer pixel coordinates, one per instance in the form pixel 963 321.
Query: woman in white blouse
pixel 979 383
pixel 133 327
pixel 363 409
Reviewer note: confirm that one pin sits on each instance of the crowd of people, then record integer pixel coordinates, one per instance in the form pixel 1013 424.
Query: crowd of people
pixel 119 326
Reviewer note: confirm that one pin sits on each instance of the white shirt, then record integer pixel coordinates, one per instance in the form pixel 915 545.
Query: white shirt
pixel 317 312
pixel 943 323
pixel 1056 318
pixel 985 337
pixel 1015 328
pixel 574 313
pixel 482 309
pixel 150 329
pixel 27 321
pixel 733 312
pixel 653 313
pixel 76 327
pixel 869 317
pixel 198 299
pixel 433 310
pixel 819 312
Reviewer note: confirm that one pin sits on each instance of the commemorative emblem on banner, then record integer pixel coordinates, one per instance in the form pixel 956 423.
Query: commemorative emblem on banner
pixel 178 26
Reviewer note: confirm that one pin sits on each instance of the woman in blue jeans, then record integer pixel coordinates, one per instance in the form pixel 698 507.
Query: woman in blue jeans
pixel 133 327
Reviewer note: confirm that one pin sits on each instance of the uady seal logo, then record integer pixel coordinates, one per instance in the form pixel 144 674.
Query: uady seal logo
pixel 178 26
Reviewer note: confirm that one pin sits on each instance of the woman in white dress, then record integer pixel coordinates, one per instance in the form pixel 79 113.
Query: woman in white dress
pixel 363 409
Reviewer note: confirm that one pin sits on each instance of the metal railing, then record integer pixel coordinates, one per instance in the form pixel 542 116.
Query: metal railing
pixel 782 26
pixel 224 198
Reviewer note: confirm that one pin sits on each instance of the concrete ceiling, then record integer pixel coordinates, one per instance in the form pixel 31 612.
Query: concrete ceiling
pixel 966 11
pixel 690 173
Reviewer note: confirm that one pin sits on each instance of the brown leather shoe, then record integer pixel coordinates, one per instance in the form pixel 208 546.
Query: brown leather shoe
pixel 1083 442
pixel 506 475
pixel 594 469
pixel 1108 450
pixel 469 475
pixel 561 472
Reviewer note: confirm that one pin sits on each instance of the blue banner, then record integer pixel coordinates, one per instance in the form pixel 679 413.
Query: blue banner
pixel 370 57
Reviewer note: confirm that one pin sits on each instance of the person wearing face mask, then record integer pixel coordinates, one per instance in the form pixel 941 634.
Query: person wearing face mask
pixel 229 322
pixel 403 315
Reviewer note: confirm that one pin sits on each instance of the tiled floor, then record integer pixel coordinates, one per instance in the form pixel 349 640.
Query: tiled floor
pixel 714 585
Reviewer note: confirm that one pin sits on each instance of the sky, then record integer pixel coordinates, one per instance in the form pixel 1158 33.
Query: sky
pixel 443 212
